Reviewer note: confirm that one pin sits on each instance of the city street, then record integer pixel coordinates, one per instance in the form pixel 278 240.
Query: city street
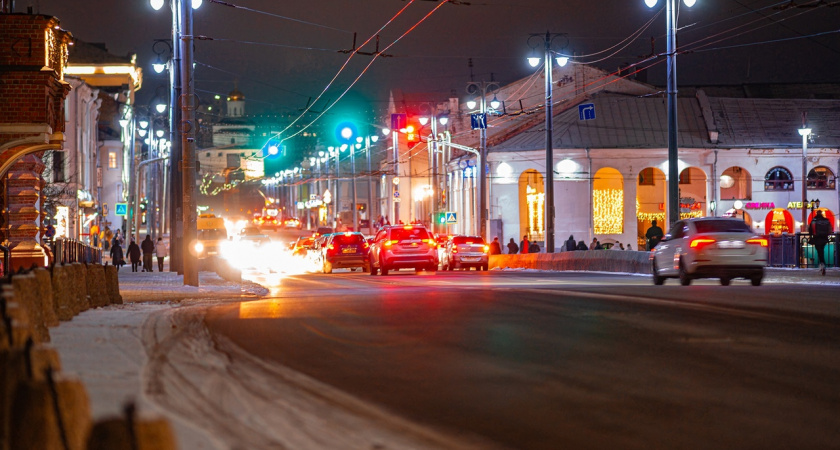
pixel 560 360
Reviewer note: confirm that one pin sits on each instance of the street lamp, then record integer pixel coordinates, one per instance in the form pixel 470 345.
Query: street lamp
pixel 481 88
pixel 432 146
pixel 561 60
pixel 805 133
pixel 673 150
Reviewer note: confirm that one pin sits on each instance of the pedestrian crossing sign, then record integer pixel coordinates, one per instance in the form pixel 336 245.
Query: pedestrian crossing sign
pixel 451 218
pixel 121 209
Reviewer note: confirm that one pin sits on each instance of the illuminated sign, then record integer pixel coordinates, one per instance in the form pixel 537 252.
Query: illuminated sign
pixel 798 205
pixel 759 205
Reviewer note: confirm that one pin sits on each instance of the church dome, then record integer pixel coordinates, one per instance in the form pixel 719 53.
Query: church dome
pixel 236 96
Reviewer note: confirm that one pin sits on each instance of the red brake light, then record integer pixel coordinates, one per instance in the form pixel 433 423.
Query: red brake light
pixel 407 227
pixel 758 240
pixel 701 242
pixel 389 243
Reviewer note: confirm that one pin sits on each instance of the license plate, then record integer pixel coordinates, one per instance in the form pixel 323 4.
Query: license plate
pixel 731 244
pixel 470 258
pixel 349 250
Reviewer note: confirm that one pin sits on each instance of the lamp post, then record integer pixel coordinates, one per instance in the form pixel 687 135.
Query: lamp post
pixel 805 133
pixel 673 150
pixel 368 141
pixel 482 88
pixel 432 119
pixel 562 60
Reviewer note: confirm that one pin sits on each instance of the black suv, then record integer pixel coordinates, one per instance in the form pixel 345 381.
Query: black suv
pixel 344 250
pixel 403 247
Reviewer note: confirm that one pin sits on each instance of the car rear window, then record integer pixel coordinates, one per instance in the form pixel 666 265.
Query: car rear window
pixel 352 239
pixel 465 239
pixel 402 234
pixel 207 235
pixel 722 226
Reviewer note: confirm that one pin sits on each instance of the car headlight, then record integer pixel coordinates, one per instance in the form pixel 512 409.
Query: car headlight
pixel 199 247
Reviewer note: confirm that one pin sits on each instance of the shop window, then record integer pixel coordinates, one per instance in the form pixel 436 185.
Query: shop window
pixel 821 177
pixel 646 177
pixel 112 160
pixel 735 184
pixel 778 179
pixel 685 177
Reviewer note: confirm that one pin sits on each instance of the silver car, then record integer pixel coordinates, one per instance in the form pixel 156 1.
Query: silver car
pixel 710 247
pixel 465 252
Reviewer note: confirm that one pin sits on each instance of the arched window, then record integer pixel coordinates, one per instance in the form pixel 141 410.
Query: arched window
pixel 735 184
pixel 778 179
pixel 821 177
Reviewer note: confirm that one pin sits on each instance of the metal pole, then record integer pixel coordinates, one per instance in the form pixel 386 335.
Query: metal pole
pixel 132 180
pixel 395 197
pixel 370 186
pixel 482 174
pixel 549 150
pixel 337 184
pixel 188 143
pixel 673 151
pixel 435 186
pixel 804 182
pixel 353 169
pixel 176 226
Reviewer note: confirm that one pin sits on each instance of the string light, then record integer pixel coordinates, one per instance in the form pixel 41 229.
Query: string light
pixel 536 204
pixel 608 211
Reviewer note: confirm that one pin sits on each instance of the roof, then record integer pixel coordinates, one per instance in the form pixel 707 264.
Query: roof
pixel 82 52
pixel 623 121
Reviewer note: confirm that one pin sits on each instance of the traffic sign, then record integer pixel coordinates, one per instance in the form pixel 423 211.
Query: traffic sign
pixel 586 111
pixel 451 218
pixel 396 194
pixel 478 120
pixel 121 209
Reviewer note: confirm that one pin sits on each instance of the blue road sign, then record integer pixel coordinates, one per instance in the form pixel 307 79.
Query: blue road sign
pixel 121 209
pixel 451 217
pixel 478 121
pixel 398 122
pixel 586 111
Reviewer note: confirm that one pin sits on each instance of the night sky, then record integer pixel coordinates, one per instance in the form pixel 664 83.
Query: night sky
pixel 434 58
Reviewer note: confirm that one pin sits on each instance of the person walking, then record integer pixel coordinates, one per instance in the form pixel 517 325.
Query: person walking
pixel 593 243
pixel 598 246
pixel 654 235
pixel 495 246
pixel 820 228
pixel 582 246
pixel 524 245
pixel 512 247
pixel 117 255
pixel 571 244
pixel 134 255
pixel 148 248
pixel 160 252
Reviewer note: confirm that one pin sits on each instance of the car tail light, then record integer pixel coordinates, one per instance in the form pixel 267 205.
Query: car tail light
pixel 366 245
pixel 486 248
pixel 431 242
pixel 389 243
pixel 701 242
pixel 758 240
pixel 454 249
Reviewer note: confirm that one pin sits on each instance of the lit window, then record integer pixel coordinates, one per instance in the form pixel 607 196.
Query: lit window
pixel 112 160
pixel 778 179
pixel 821 177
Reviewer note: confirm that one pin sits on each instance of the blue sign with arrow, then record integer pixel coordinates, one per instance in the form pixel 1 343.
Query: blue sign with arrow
pixel 586 111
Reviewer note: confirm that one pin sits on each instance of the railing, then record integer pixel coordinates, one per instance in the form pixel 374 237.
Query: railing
pixel 806 254
pixel 71 250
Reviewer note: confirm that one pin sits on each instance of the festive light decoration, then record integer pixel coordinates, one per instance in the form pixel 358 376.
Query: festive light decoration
pixel 608 211
pixel 536 204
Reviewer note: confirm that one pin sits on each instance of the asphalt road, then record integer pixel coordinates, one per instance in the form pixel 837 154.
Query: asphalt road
pixel 564 360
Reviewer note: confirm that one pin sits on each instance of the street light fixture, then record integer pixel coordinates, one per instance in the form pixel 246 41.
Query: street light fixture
pixel 482 89
pixel 805 132
pixel 561 60
pixel 673 150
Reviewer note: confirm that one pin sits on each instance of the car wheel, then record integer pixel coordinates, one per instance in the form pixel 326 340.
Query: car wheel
pixel 724 281
pixel 383 268
pixel 327 267
pixel 372 269
pixel 432 268
pixel 756 280
pixel 484 267
pixel 658 280
pixel 685 278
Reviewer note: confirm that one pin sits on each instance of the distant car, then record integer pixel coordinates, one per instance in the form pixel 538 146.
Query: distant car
pixel 344 250
pixel 292 223
pixel 267 222
pixel 403 247
pixel 710 247
pixel 463 252
pixel 302 245
pixel 253 235
pixel 321 231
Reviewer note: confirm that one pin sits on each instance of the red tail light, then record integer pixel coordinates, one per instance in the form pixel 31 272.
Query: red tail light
pixel 389 243
pixel 758 240
pixel 366 245
pixel 701 242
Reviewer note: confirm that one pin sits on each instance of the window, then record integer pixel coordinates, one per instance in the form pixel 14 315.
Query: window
pixel 232 140
pixel 220 154
pixel 685 177
pixel 112 160
pixel 468 240
pixel 778 179
pixel 208 154
pixel 58 167
pixel 821 177
pixel 722 226
pixel 646 177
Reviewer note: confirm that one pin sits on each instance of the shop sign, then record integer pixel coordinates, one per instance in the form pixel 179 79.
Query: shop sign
pixel 759 205
pixel 798 205
pixel 696 206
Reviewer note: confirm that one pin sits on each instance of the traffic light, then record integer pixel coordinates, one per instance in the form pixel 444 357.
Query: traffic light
pixel 440 217
pixel 412 135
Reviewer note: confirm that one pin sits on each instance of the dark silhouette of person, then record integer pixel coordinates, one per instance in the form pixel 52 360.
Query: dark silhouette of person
pixel 495 246
pixel 654 235
pixel 571 244
pixel 148 248
pixel 117 255
pixel 134 255
pixel 524 245
pixel 512 247
pixel 820 228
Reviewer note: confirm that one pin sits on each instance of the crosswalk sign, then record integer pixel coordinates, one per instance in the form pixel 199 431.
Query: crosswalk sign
pixel 121 209
pixel 451 218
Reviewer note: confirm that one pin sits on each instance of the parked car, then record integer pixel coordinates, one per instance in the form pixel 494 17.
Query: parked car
pixel 403 247
pixel 710 247
pixel 345 251
pixel 463 252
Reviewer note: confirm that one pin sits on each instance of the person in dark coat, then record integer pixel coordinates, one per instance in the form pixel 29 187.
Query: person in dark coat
pixel 820 228
pixel 134 255
pixel 495 246
pixel 512 247
pixel 570 243
pixel 148 248
pixel 116 255
pixel 582 246
pixel 534 248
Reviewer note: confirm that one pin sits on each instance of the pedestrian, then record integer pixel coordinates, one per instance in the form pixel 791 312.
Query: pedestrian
pixel 495 246
pixel 654 235
pixel 598 246
pixel 820 228
pixel 524 245
pixel 134 255
pixel 570 243
pixel 512 247
pixel 160 252
pixel 117 255
pixel 592 244
pixel 621 246
pixel 629 247
pixel 148 248
pixel 582 246
pixel 534 248
pixel 387 222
